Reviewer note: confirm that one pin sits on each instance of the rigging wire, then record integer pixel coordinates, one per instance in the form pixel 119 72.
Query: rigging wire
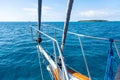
pixel 80 41
pixel 31 31
pixel 56 60
pixel 32 35
pixel 118 53
pixel 40 64
pixel 55 53
pixel 55 33
pixel 51 76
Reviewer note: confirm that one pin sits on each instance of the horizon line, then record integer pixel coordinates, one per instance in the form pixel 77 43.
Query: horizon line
pixel 60 21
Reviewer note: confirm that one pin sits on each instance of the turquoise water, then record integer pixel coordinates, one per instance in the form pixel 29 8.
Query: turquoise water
pixel 18 54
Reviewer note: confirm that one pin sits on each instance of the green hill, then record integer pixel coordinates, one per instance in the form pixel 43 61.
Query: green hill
pixel 93 21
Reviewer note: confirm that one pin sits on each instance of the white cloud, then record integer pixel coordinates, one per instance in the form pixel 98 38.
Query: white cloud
pixel 94 13
pixel 32 11
pixel 108 14
pixel 48 14
pixel 46 8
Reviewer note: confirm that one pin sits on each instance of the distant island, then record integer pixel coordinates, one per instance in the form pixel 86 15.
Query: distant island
pixel 93 21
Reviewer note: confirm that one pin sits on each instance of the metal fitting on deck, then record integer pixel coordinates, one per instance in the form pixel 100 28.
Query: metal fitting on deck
pixel 39 40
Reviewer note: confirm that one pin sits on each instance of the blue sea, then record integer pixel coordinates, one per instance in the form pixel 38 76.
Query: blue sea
pixel 19 58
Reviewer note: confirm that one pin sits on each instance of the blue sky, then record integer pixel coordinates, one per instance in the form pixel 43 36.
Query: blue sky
pixel 55 10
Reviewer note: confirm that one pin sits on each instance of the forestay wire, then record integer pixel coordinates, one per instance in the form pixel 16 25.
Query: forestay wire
pixel 40 65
